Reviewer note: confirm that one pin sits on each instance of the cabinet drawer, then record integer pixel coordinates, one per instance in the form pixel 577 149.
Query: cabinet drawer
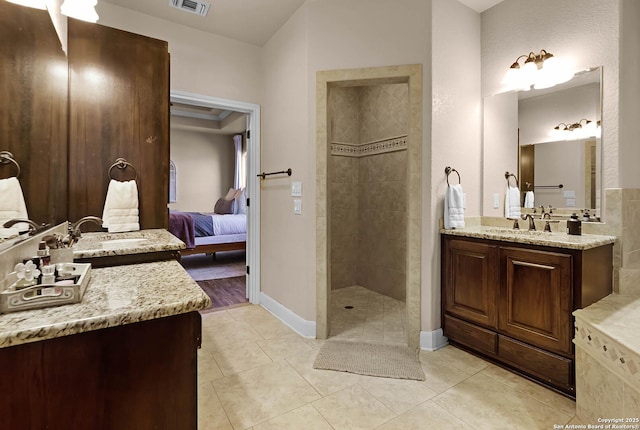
pixel 549 367
pixel 478 338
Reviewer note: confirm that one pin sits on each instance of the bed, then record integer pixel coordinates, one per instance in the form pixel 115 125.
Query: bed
pixel 209 232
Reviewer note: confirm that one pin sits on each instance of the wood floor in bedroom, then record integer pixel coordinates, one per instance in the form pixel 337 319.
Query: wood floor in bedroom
pixel 225 293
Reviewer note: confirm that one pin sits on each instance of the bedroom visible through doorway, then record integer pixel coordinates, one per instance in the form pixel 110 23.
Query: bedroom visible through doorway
pixel 214 152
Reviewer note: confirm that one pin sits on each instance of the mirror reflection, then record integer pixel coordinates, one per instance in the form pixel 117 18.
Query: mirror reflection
pixel 560 144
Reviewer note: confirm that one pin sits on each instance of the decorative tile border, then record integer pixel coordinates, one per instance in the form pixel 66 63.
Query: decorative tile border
pixel 372 148
pixel 617 358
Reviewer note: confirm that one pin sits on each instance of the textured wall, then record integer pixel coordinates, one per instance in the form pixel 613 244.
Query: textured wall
pixel 368 194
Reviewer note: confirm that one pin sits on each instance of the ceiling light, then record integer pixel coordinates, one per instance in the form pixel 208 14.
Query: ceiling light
pixel 36 4
pixel 80 9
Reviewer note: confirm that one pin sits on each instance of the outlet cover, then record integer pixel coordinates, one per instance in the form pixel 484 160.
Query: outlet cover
pixel 297 206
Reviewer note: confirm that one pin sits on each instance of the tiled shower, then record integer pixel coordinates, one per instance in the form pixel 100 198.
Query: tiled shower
pixel 368 127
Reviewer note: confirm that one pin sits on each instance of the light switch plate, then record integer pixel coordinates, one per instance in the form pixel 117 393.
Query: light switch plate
pixel 496 200
pixel 570 203
pixel 297 206
pixel 296 188
pixel 569 194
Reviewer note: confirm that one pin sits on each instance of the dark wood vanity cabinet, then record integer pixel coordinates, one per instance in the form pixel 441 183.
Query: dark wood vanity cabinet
pixel 512 303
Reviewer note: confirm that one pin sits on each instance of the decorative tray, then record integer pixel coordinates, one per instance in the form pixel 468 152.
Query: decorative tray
pixel 45 295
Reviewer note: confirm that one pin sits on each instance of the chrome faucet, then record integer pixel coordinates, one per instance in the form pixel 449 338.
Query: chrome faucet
pixel 532 224
pixel 74 229
pixel 33 226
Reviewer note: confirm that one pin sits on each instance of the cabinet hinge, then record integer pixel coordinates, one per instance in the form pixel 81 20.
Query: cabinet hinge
pixel 248 202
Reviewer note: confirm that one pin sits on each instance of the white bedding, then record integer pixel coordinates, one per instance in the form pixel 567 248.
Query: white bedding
pixel 229 224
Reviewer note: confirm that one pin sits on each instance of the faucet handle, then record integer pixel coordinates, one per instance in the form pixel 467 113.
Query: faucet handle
pixel 516 226
pixel 547 224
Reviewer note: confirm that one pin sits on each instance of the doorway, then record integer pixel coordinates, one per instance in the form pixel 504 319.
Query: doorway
pixel 252 192
pixel 410 266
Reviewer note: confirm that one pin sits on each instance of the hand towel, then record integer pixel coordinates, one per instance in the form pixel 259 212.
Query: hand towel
pixel 454 204
pixel 512 202
pixel 121 207
pixel 529 200
pixel 12 203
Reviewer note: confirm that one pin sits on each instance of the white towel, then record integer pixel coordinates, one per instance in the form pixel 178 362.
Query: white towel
pixel 454 204
pixel 512 202
pixel 12 203
pixel 121 207
pixel 529 200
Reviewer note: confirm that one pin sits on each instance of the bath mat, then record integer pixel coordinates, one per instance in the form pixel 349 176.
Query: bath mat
pixel 372 359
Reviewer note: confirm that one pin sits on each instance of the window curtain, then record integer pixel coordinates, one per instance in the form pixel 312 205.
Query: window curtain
pixel 238 180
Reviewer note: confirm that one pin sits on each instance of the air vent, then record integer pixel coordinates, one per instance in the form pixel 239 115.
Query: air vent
pixel 194 6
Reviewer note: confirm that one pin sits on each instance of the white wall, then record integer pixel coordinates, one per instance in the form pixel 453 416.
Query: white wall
pixel 585 32
pixel 322 35
pixel 456 138
pixel 201 63
pixel 205 168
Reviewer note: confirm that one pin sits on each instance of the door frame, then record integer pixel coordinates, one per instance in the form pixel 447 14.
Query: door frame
pixel 253 183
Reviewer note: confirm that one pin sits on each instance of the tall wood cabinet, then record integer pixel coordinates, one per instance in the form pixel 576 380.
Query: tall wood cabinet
pixel 512 303
pixel 118 107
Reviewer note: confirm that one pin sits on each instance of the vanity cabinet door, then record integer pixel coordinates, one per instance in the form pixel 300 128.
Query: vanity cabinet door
pixel 535 300
pixel 470 281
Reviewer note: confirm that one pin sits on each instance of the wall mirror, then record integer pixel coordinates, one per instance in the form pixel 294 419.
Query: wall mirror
pixel 558 142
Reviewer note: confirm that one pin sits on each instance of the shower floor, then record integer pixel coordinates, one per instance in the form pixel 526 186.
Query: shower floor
pixel 374 317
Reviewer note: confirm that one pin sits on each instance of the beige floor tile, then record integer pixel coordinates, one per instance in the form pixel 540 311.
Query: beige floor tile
pixel 209 318
pixel 323 381
pixel 353 408
pixel 261 320
pixel 208 369
pixel 285 346
pixel 315 343
pixel 536 391
pixel 240 357
pixel 463 360
pixel 482 402
pixel 399 395
pixel 211 415
pixel 306 417
pixel 225 334
pixel 577 421
pixel 440 375
pixel 427 415
pixel 259 394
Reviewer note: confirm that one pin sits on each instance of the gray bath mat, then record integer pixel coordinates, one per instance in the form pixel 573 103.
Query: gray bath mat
pixel 372 359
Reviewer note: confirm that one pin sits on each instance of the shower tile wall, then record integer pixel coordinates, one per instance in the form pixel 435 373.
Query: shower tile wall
pixel 368 194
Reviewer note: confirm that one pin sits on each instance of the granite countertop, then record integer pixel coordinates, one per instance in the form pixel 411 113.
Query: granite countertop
pixel 553 239
pixel 115 296
pixel 93 245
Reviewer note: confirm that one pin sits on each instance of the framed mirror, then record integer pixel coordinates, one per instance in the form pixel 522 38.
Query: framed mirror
pixel 556 136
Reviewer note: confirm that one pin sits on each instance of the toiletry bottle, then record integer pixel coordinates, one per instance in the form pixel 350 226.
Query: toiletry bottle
pixel 574 225
pixel 48 274
pixel 43 253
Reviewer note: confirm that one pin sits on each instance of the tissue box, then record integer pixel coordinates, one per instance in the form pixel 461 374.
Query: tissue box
pixel 43 296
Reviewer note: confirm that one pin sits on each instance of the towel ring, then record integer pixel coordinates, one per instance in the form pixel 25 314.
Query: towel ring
pixel 448 171
pixel 6 157
pixel 507 175
pixel 122 164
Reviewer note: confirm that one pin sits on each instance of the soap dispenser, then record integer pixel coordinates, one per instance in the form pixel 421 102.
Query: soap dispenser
pixel 574 225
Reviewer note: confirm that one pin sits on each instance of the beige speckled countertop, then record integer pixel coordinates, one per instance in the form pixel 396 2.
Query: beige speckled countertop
pixel 554 239
pixel 115 296
pixel 93 245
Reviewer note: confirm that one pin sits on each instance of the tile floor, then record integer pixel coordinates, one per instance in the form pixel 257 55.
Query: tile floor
pixel 255 373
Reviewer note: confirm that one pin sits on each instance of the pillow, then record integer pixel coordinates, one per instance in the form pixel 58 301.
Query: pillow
pixel 230 194
pixel 224 207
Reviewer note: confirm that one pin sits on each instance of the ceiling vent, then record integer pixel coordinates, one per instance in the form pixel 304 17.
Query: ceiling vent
pixel 194 6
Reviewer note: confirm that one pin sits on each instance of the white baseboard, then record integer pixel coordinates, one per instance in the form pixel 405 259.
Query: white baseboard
pixel 432 340
pixel 291 319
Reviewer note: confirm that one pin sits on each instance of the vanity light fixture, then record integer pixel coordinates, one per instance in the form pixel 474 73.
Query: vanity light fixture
pixel 84 10
pixel 577 130
pixel 540 71
pixel 36 4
